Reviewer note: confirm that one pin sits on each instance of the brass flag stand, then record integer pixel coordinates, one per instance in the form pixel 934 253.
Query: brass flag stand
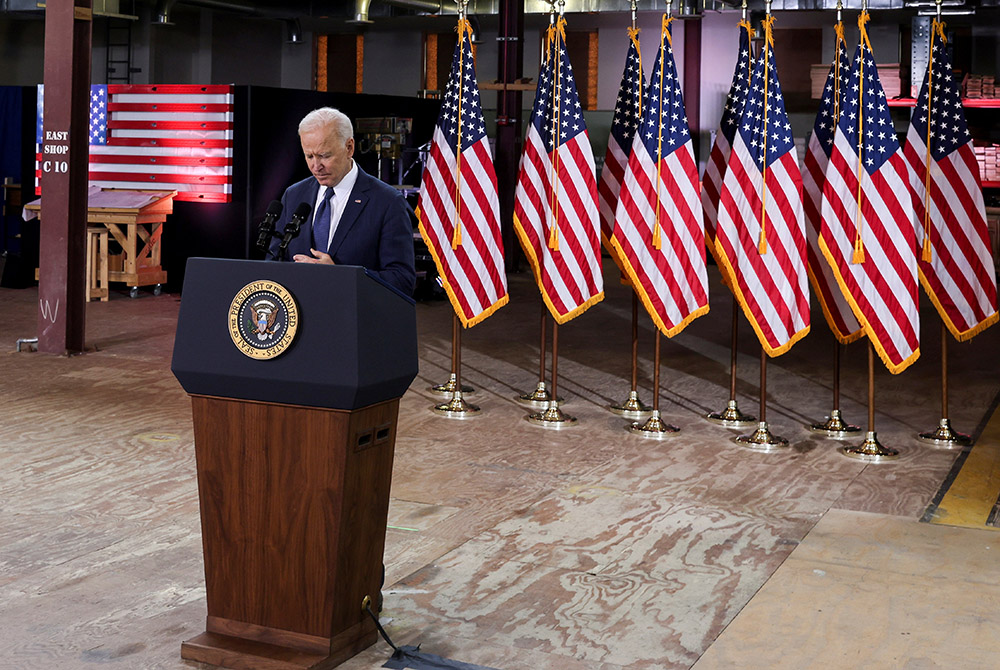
pixel 944 437
pixel 552 416
pixel 632 407
pixel 871 450
pixel 654 427
pixel 540 397
pixel 449 388
pixel 456 408
pixel 762 439
pixel 835 426
pixel 732 417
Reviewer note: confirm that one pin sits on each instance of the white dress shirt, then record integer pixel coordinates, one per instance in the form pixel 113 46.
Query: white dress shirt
pixel 341 194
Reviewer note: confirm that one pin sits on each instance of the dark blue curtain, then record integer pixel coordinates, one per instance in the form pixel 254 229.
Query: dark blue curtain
pixel 10 159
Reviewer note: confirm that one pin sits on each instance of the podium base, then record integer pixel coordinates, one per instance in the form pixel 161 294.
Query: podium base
pixel 227 651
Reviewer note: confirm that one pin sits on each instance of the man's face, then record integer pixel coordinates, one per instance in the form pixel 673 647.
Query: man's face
pixel 328 156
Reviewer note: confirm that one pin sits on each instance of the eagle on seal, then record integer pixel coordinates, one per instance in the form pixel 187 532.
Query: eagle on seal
pixel 264 315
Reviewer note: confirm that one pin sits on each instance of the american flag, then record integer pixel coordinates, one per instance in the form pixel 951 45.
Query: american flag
pixel 956 266
pixel 719 157
pixel 555 203
pixel 867 232
pixel 459 210
pixel 170 137
pixel 837 310
pixel 659 233
pixel 761 236
pixel 628 114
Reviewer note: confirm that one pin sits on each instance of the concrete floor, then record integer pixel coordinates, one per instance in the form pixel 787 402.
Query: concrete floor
pixel 509 545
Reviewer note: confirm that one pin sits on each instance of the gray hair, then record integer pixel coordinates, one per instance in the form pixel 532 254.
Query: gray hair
pixel 327 117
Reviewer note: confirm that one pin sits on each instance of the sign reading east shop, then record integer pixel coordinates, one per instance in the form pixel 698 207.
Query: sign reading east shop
pixel 55 147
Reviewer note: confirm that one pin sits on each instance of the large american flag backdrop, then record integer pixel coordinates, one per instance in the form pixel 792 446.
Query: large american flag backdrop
pixel 659 232
pixel 836 309
pixel 555 204
pixel 624 122
pixel 166 137
pixel 721 148
pixel 761 237
pixel 956 266
pixel 867 232
pixel 459 211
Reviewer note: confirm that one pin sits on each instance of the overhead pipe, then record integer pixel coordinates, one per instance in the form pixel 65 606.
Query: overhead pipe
pixel 361 7
pixel 161 14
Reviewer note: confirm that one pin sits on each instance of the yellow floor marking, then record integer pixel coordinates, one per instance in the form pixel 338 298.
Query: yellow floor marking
pixel 971 497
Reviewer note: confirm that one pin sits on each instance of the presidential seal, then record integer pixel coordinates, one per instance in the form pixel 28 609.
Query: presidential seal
pixel 262 319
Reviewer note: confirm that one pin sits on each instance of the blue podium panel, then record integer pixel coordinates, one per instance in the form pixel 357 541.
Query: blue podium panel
pixel 354 342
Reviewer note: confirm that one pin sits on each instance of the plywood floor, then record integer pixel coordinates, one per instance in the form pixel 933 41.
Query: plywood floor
pixel 509 545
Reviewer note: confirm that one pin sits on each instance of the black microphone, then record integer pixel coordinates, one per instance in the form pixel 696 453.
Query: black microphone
pixel 293 227
pixel 266 230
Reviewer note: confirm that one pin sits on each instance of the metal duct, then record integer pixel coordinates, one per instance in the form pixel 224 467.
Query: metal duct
pixel 161 13
pixel 361 7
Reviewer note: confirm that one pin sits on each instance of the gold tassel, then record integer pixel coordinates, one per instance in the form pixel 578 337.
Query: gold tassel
pixel 656 235
pixel 456 239
pixel 554 238
pixel 926 255
pixel 859 251
pixel 762 244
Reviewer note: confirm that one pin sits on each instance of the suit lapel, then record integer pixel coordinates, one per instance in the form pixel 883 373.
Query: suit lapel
pixel 355 204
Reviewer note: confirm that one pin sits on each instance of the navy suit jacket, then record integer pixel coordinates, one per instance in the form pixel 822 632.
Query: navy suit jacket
pixel 374 231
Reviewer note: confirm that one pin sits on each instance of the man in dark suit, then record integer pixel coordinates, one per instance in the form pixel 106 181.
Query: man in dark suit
pixel 356 219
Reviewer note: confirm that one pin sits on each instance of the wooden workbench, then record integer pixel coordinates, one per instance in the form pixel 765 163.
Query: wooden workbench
pixel 134 219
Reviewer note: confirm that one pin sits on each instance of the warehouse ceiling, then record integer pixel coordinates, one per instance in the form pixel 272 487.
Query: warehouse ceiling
pixel 368 12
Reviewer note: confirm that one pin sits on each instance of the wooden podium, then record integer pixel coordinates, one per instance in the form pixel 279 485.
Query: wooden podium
pixel 294 454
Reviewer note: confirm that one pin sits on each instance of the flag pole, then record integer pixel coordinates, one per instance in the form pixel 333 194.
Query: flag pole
pixel 654 427
pixel 453 389
pixel 456 408
pixel 871 450
pixel 732 417
pixel 540 397
pixel 632 407
pixel 552 416
pixel 945 437
pixel 835 426
pixel 762 439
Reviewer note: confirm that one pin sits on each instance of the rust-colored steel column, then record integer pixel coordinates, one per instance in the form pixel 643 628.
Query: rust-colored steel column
pixel 692 81
pixel 64 166
pixel 510 67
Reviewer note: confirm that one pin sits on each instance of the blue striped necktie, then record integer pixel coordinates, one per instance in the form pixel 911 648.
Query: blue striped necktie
pixel 321 223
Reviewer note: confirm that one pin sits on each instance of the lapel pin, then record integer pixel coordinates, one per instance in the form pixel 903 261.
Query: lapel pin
pixel 358 201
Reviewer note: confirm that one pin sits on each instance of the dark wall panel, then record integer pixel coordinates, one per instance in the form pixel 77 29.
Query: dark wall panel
pixel 267 159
